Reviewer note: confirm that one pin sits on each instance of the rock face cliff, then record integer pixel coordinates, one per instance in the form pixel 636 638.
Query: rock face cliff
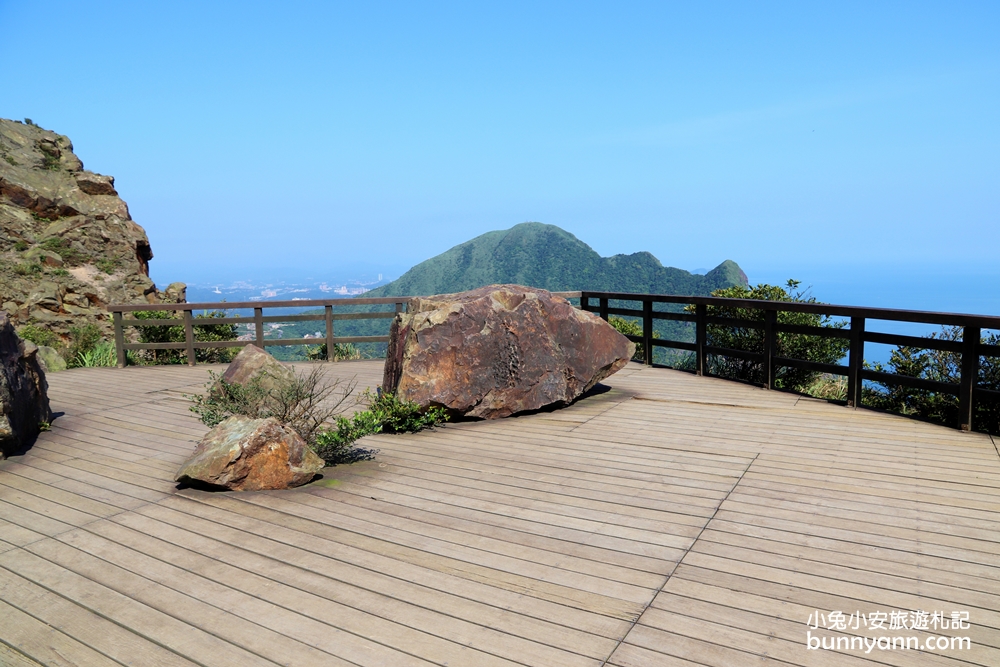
pixel 68 246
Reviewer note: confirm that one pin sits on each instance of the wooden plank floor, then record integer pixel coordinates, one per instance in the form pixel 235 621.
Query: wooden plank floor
pixel 670 520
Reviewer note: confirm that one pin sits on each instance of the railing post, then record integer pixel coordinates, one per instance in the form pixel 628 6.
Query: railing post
pixel 855 361
pixel 770 346
pixel 329 333
pixel 258 323
pixel 189 336
pixel 969 378
pixel 604 308
pixel 647 330
pixel 700 336
pixel 584 302
pixel 119 339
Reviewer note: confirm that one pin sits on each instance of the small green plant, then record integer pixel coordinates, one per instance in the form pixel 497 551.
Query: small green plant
pixel 385 414
pixel 629 328
pixel 101 355
pixel 44 426
pixel 50 162
pixel 108 266
pixel 11 161
pixel 38 335
pixel 28 268
pixel 28 121
pixel 69 253
pixel 341 352
pixel 21 245
pixel 61 273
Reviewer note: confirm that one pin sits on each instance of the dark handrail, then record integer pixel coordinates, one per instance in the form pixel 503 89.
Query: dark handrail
pixel 970 347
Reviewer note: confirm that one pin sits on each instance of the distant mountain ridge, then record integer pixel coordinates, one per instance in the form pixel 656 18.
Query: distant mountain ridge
pixel 547 257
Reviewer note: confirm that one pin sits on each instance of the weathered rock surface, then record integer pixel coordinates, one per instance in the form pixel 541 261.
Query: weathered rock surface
pixel 244 454
pixel 24 401
pixel 68 245
pixel 253 361
pixel 499 350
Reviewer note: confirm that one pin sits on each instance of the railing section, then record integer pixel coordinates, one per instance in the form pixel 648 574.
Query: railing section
pixel 258 319
pixel 970 347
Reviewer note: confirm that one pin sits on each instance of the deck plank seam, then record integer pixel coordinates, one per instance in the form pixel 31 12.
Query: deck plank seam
pixel 674 568
pixel 92 610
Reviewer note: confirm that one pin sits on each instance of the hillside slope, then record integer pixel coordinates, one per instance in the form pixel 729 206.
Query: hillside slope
pixel 545 256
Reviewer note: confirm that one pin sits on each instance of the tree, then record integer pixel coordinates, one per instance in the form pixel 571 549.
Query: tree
pixel 939 366
pixel 794 346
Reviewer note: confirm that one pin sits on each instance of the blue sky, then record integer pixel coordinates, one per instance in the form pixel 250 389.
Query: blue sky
pixel 853 145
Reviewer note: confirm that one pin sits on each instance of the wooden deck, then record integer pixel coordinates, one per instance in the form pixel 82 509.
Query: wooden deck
pixel 672 520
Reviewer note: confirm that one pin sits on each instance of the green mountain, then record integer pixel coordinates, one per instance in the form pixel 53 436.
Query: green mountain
pixel 535 255
pixel 545 256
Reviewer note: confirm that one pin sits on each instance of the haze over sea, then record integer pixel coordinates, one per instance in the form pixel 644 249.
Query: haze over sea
pixel 854 146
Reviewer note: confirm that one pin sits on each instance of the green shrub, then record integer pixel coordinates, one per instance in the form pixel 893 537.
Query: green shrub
pixel 385 414
pixel 82 341
pixel 27 268
pixel 108 266
pixel 938 366
pixel 175 334
pixel 305 403
pixel 793 346
pixel 102 354
pixel 70 254
pixel 38 335
pixel 21 245
pixel 629 328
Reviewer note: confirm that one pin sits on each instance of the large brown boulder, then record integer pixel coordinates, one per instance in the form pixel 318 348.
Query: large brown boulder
pixel 244 454
pixel 499 350
pixel 24 401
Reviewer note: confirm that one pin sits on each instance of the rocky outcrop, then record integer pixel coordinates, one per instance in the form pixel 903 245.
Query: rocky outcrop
pixel 68 245
pixel 24 401
pixel 499 350
pixel 244 454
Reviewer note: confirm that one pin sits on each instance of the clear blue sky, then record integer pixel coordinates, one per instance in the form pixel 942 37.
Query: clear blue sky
pixel 255 138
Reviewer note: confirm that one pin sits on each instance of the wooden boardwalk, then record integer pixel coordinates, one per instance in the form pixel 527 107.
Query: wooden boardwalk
pixel 672 520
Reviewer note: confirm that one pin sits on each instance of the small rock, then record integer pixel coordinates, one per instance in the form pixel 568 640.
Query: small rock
pixel 499 350
pixel 244 454
pixel 175 293
pixel 96 184
pixel 253 361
